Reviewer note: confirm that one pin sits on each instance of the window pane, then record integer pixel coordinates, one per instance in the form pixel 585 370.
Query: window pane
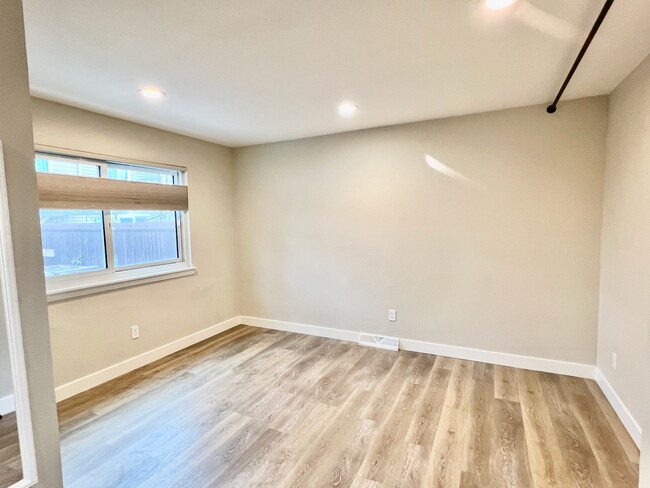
pixel 66 166
pixel 144 236
pixel 143 174
pixel 73 241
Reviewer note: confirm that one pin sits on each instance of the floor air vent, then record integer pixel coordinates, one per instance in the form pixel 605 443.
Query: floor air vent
pixel 379 341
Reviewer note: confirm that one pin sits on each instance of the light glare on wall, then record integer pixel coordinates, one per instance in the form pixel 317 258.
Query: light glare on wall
pixel 447 171
pixel 498 4
pixel 348 109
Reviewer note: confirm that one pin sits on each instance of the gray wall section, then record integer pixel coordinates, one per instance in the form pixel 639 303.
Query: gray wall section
pixel 18 144
pixel 625 258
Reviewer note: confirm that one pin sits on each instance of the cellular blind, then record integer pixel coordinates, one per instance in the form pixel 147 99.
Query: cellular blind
pixel 78 192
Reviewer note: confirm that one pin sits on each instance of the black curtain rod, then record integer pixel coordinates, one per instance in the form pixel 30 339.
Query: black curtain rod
pixel 553 107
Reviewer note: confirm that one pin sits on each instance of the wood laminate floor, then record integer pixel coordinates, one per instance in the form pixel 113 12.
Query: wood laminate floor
pixel 10 462
pixel 259 408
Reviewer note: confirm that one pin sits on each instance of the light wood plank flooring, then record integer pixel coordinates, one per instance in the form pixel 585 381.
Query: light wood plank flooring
pixel 10 463
pixel 259 408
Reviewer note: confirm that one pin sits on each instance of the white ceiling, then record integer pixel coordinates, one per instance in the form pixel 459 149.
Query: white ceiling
pixel 242 72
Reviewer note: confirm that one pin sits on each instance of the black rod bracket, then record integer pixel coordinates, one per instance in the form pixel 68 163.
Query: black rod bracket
pixel 603 13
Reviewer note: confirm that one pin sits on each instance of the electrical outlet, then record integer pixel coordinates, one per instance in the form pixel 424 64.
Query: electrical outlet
pixel 135 332
pixel 392 315
pixel 614 360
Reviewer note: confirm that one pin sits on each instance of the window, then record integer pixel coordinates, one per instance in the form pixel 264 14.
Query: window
pixel 145 237
pixel 87 249
pixel 66 166
pixel 73 241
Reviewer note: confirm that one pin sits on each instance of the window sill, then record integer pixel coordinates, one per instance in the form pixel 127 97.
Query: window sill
pixel 115 282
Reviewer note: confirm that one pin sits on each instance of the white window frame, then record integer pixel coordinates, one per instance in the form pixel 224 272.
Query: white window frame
pixel 111 278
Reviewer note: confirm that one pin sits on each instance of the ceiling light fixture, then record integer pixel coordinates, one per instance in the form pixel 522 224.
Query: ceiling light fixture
pixel 498 4
pixel 152 93
pixel 348 109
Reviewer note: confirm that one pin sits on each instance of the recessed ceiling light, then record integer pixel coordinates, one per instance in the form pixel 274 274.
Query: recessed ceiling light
pixel 348 109
pixel 498 4
pixel 154 93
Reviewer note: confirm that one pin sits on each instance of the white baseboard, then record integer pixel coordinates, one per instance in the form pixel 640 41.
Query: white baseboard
pixel 7 405
pixel 556 366
pixel 314 330
pixel 504 359
pixel 619 407
pixel 95 379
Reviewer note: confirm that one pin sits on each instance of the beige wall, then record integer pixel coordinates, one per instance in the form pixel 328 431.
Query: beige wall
pixel 91 333
pixel 16 136
pixel 335 230
pixel 625 269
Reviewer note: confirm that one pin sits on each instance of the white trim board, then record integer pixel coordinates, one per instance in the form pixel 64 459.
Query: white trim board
pixel 314 330
pixel 13 324
pixel 630 423
pixel 95 379
pixel 7 405
pixel 556 366
pixel 503 359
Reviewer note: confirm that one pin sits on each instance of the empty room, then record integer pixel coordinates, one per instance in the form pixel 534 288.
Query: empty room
pixel 301 244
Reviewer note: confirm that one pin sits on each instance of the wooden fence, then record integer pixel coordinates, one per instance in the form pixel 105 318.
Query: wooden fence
pixel 74 247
